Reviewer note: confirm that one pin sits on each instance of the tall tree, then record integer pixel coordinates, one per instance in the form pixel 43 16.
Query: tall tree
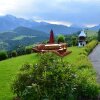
pixel 99 35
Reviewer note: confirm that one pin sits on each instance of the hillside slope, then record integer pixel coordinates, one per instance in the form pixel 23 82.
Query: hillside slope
pixel 91 33
pixel 9 68
pixel 21 36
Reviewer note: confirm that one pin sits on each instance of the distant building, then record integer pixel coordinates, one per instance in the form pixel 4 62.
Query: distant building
pixel 82 39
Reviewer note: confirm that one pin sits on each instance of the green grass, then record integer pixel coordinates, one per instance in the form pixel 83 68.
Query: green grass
pixel 72 58
pixel 9 68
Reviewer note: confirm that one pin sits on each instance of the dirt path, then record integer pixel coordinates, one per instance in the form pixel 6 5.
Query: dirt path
pixel 95 59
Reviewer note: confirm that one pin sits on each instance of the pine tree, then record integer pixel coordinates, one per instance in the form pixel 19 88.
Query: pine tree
pixel 99 35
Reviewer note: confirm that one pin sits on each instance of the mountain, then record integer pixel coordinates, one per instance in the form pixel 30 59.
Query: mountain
pixel 58 29
pixel 28 31
pixel 19 31
pixel 78 26
pixel 95 28
pixel 10 22
pixel 21 36
pixel 90 33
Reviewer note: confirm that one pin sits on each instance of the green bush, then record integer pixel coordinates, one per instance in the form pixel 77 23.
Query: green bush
pixel 20 50
pixel 83 62
pixel 28 50
pixel 86 85
pixel 53 79
pixel 3 55
pixel 61 39
pixel 90 46
pixel 14 53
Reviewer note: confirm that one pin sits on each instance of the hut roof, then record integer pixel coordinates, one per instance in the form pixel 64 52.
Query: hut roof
pixel 82 34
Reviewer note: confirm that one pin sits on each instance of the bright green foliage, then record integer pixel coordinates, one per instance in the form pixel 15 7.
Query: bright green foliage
pixel 90 46
pixel 87 86
pixel 61 39
pixel 83 61
pixel 53 79
pixel 3 55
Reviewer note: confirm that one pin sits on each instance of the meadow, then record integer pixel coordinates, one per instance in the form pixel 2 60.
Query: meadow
pixel 10 67
pixel 8 70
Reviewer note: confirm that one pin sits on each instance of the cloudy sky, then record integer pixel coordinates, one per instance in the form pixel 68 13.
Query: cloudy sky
pixel 67 12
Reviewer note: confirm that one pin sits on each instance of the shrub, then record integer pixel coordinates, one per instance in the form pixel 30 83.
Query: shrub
pixel 3 55
pixel 61 39
pixel 53 79
pixel 28 50
pixel 20 50
pixel 86 85
pixel 14 53
pixel 90 46
pixel 83 62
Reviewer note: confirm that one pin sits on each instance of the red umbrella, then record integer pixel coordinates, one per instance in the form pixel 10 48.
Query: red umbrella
pixel 51 39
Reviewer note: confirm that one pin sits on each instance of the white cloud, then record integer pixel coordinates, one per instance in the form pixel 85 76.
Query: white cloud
pixel 56 22
pixel 56 11
pixel 90 25
pixel 5 6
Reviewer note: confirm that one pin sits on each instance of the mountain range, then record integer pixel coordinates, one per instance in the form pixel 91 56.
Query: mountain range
pixel 19 31
pixel 95 28
pixel 10 22
pixel 21 36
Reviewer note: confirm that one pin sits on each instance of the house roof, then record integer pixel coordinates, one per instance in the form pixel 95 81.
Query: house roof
pixel 82 34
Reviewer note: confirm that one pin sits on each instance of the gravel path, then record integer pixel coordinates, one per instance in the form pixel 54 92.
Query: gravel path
pixel 95 59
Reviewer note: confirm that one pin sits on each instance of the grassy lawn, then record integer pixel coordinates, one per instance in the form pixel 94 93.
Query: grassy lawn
pixel 10 67
pixel 72 58
pixel 8 70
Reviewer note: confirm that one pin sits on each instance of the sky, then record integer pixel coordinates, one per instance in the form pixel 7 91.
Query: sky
pixel 66 12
